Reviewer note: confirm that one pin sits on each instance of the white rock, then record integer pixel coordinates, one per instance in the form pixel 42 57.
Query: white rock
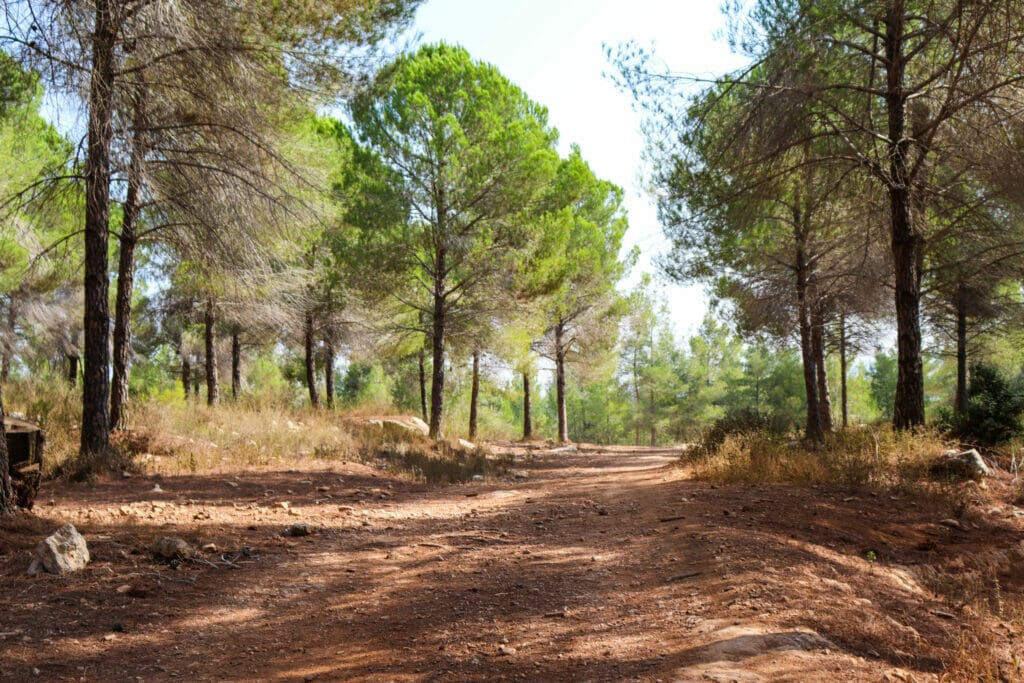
pixel 63 552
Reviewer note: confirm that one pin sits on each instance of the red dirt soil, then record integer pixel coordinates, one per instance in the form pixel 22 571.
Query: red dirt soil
pixel 603 565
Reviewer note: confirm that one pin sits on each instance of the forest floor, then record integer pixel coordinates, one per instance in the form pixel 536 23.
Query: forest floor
pixel 604 565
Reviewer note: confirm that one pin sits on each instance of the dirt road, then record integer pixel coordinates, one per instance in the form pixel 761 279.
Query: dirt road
pixel 598 565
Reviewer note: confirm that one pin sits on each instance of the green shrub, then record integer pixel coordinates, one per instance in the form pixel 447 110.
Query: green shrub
pixel 994 408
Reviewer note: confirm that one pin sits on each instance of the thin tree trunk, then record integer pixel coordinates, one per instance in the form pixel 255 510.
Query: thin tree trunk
pixel 437 340
pixel 814 430
pixel 843 368
pixel 824 398
pixel 563 421
pixel 423 384
pixel 186 375
pixel 8 505
pixel 72 369
pixel 654 428
pixel 125 281
pixel 960 404
pixel 907 242
pixel 329 357
pixel 474 395
pixel 314 395
pixel 196 377
pixel 212 384
pixel 236 363
pixel 95 435
pixel 527 409
pixel 636 401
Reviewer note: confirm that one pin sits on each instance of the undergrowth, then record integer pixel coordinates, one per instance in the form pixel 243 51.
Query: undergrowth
pixel 855 458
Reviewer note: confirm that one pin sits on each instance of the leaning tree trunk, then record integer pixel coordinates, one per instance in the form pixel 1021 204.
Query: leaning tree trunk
pixel 474 395
pixel 8 505
pixel 125 280
pixel 95 434
pixel 563 421
pixel 843 369
pixel 960 404
pixel 527 416
pixel 437 341
pixel 314 394
pixel 824 397
pixel 236 363
pixel 212 385
pixel 423 384
pixel 907 242
pixel 815 433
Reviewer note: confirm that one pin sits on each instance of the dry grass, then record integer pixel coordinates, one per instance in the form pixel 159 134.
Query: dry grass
pixel 855 458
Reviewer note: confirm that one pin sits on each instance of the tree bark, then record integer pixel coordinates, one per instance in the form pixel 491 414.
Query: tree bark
pixel 72 369
pixel 437 340
pixel 654 428
pixel 563 421
pixel 843 369
pixel 813 426
pixel 423 384
pixel 636 400
pixel 474 395
pixel 314 394
pixel 125 281
pixel 907 242
pixel 821 372
pixel 527 416
pixel 960 404
pixel 95 435
pixel 212 384
pixel 186 375
pixel 329 357
pixel 8 505
pixel 236 363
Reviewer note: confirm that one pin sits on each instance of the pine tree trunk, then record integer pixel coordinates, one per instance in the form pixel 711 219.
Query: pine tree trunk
pixel 815 433
pixel 186 375
pixel 474 396
pixel 527 416
pixel 423 384
pixel 125 281
pixel 824 397
pixel 907 242
pixel 212 384
pixel 329 357
pixel 95 434
pixel 236 363
pixel 196 376
pixel 72 369
pixel 563 421
pixel 960 404
pixel 437 340
pixel 636 401
pixel 8 505
pixel 654 428
pixel 843 369
pixel 314 395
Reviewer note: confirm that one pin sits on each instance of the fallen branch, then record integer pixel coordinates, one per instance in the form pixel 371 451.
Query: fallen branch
pixel 680 577
pixel 673 518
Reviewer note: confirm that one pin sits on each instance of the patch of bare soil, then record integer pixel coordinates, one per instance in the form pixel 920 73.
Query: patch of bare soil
pixel 596 565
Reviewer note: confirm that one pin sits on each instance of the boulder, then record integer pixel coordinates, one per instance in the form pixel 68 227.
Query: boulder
pixel 413 425
pixel 961 465
pixel 63 552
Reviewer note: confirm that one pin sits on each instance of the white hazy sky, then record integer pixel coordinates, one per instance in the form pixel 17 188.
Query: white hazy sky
pixel 552 49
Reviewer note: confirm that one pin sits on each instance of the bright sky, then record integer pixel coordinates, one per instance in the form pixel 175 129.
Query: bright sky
pixel 553 50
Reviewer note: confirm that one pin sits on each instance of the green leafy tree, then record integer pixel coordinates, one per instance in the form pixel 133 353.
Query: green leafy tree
pixel 472 152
